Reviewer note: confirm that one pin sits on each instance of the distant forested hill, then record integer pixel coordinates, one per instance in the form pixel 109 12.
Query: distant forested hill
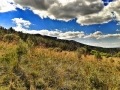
pixel 51 42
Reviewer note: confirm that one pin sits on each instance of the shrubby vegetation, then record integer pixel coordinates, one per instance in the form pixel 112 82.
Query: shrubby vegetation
pixel 117 54
pixel 34 62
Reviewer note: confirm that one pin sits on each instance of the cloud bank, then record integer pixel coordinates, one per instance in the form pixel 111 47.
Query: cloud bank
pixel 87 12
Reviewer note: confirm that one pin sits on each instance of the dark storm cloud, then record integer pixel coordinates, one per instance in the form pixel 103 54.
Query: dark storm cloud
pixel 73 9
pixel 38 4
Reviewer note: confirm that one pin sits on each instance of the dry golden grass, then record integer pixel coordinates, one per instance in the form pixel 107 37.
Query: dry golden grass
pixel 45 69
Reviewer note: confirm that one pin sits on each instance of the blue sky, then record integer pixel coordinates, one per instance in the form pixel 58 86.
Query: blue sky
pixel 92 22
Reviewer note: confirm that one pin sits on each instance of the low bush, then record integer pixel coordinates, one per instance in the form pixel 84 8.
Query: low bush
pixel 57 50
pixel 98 56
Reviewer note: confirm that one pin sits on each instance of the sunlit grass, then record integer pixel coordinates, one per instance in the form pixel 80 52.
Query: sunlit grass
pixel 46 69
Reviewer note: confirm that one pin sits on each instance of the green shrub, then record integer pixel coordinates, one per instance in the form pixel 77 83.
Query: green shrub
pixel 40 84
pixel 58 50
pixel 103 54
pixel 30 43
pixel 108 55
pixel 93 52
pixel 98 56
pixel 6 58
pixel 118 68
pixel 97 84
pixel 117 55
pixel 79 55
pixel 9 57
pixel 112 60
pixel 50 49
pixel 9 37
pixel 81 51
pixel 21 50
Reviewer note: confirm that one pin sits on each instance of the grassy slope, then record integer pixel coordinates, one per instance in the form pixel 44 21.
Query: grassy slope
pixel 45 69
pixel 24 66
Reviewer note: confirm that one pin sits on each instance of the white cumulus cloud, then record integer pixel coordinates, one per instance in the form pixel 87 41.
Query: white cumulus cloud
pixel 5 6
pixel 98 35
pixel 20 22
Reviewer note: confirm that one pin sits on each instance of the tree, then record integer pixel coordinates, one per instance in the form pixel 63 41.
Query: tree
pixel 10 30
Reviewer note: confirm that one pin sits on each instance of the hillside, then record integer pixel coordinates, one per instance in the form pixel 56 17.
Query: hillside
pixel 53 42
pixel 36 62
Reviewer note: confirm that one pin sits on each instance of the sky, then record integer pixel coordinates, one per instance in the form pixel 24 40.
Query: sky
pixel 91 22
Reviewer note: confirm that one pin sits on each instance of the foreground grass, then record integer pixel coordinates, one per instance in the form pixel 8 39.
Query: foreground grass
pixel 45 69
